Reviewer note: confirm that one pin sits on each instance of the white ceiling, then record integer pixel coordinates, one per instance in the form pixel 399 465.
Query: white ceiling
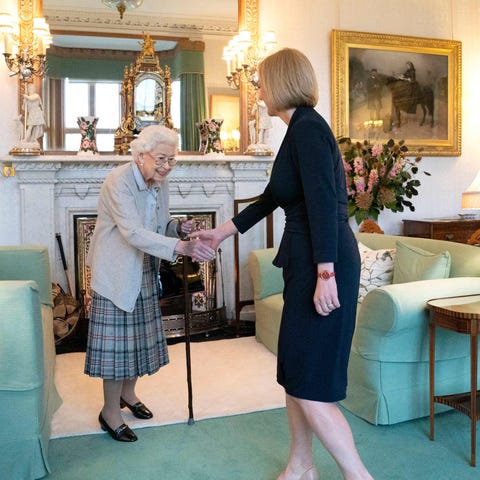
pixel 170 18
pixel 193 9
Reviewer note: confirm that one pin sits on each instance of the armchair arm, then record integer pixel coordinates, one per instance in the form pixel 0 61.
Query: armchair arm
pixel 28 262
pixel 392 321
pixel 392 308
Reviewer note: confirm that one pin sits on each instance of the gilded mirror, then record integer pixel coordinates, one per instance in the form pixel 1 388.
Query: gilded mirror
pixel 246 17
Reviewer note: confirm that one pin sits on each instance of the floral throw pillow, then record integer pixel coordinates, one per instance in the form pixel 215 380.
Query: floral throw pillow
pixel 376 269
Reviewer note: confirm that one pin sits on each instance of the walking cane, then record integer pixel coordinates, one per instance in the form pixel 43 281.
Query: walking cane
pixel 187 308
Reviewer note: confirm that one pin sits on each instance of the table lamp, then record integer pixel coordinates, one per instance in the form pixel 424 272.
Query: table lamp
pixel 471 199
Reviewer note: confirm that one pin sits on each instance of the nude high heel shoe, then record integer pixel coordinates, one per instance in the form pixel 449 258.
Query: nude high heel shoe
pixel 310 474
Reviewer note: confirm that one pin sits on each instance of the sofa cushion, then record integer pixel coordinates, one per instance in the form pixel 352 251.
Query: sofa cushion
pixel 413 263
pixel 376 269
pixel 267 279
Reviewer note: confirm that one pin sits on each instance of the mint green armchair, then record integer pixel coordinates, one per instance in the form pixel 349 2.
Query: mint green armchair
pixel 27 362
pixel 388 377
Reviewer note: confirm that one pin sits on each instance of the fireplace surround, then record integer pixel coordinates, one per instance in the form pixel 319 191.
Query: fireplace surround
pixel 53 189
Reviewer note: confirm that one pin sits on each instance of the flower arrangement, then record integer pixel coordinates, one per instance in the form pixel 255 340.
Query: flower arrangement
pixel 378 176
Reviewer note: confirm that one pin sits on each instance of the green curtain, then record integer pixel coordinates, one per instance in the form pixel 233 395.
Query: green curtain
pixel 193 109
pixel 85 69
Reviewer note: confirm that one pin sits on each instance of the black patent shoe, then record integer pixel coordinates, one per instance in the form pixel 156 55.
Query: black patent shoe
pixel 122 434
pixel 139 410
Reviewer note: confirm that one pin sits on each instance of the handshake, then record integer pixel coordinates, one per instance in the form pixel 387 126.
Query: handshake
pixel 203 243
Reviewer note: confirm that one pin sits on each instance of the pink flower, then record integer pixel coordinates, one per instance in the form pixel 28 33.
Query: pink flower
pixel 377 149
pixel 346 166
pixel 359 183
pixel 396 169
pixel 358 165
pixel 372 180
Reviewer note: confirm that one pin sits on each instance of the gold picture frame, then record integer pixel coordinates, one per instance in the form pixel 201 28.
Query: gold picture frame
pixel 376 95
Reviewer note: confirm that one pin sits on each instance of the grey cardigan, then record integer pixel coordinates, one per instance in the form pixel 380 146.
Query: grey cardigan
pixel 120 238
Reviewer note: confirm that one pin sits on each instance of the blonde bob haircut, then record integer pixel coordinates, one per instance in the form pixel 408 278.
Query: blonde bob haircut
pixel 151 137
pixel 288 79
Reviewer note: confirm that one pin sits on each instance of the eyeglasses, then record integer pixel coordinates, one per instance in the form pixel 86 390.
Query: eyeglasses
pixel 162 160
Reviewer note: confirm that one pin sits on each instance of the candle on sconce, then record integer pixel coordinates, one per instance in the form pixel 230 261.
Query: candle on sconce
pixel 42 49
pixel 7 44
pixel 236 138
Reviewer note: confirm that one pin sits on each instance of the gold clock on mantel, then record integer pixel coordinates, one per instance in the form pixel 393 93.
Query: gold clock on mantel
pixel 146 95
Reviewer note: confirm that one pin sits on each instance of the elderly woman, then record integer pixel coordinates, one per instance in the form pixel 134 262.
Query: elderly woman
pixel 133 231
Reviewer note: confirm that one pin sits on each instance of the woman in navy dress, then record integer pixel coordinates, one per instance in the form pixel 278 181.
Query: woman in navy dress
pixel 321 266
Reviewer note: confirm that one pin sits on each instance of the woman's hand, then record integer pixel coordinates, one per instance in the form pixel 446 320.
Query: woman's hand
pixel 325 297
pixel 210 237
pixel 215 236
pixel 199 250
pixel 186 226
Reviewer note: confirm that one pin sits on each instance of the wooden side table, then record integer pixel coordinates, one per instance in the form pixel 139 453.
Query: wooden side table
pixel 461 315
pixel 452 229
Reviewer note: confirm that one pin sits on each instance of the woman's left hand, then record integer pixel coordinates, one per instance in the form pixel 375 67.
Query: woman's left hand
pixel 325 297
pixel 187 225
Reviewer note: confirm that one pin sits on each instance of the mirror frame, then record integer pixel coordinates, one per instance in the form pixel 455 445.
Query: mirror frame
pixel 146 67
pixel 248 20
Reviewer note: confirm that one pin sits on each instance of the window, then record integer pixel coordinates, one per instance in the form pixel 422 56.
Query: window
pixel 90 98
pixel 99 99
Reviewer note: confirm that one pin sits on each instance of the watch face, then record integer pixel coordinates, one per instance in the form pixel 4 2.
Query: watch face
pixel 325 275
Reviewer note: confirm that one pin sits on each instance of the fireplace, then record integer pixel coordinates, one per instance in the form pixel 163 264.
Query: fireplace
pixel 53 189
pixel 199 278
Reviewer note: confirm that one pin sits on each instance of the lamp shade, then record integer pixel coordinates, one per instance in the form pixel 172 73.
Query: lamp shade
pixel 471 196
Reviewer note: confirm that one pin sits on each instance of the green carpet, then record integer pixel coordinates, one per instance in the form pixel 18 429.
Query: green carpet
pixel 255 447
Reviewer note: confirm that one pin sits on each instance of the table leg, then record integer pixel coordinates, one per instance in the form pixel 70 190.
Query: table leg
pixel 473 395
pixel 432 375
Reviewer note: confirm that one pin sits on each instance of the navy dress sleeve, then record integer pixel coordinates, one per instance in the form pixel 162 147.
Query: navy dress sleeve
pixel 252 214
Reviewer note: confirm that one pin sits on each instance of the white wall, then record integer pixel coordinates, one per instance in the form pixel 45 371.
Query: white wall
pixel 306 25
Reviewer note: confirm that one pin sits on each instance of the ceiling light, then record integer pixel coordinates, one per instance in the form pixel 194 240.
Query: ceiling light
pixel 122 5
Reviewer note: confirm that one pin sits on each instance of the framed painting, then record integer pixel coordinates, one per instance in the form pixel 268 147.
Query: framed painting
pixel 392 86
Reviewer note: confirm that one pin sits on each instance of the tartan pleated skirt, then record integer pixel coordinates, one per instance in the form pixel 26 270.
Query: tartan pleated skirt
pixel 123 345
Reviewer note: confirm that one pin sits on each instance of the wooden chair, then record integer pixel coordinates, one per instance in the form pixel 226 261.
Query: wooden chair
pixel 474 238
pixel 239 302
pixel 370 226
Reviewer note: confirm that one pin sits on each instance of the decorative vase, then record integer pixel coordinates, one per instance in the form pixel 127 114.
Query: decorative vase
pixel 203 136
pixel 88 127
pixel 210 135
pixel 370 226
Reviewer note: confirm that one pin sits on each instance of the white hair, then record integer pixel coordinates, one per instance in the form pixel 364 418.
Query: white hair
pixel 152 136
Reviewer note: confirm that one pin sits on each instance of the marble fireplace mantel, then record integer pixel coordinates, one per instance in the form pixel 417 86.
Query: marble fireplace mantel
pixel 55 188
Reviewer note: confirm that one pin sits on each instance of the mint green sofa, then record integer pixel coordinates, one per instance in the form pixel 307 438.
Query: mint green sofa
pixel 388 369
pixel 27 360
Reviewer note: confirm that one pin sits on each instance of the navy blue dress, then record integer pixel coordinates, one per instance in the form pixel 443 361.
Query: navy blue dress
pixel 308 182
